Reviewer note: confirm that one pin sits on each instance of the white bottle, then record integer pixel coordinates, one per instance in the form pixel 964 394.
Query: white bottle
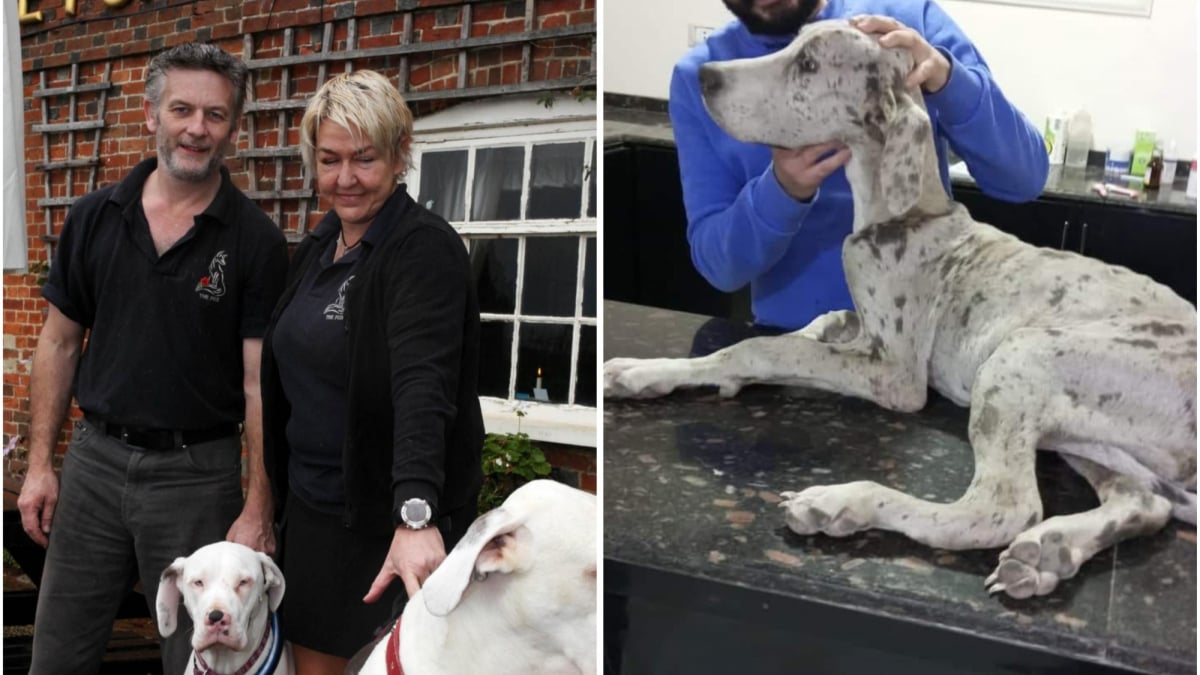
pixel 1079 139
pixel 1170 159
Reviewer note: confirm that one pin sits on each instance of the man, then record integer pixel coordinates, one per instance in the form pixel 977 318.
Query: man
pixel 173 274
pixel 776 218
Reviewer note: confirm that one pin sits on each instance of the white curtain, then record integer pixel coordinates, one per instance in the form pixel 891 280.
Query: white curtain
pixel 557 166
pixel 444 182
pixel 12 144
pixel 497 171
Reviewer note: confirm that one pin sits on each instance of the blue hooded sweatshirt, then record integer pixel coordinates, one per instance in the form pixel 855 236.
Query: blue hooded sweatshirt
pixel 742 226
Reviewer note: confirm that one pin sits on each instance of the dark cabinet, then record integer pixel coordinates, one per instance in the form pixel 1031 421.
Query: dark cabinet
pixel 647 260
pixel 1041 223
pixel 1159 244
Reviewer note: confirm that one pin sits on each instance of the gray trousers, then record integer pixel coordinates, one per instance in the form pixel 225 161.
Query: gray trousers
pixel 126 513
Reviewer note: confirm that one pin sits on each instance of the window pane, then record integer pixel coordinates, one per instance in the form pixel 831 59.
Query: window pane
pixel 585 386
pixel 592 184
pixel 589 278
pixel 495 358
pixel 494 268
pixel 549 348
pixel 496 194
pixel 443 183
pixel 550 271
pixel 556 183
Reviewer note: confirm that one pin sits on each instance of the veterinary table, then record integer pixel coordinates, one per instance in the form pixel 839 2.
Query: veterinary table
pixel 702 576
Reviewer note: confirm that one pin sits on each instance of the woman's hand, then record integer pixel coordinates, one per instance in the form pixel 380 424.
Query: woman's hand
pixel 413 556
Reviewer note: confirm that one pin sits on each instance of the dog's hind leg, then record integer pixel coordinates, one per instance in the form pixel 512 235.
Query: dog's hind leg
pixel 1054 549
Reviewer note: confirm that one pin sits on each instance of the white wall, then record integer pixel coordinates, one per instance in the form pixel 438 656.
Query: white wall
pixel 1128 72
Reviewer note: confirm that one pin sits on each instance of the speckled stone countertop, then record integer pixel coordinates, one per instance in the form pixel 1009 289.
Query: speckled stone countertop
pixel 692 483
pixel 643 126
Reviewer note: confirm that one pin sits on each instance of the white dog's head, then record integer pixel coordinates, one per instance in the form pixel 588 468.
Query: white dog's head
pixel 522 582
pixel 833 83
pixel 225 587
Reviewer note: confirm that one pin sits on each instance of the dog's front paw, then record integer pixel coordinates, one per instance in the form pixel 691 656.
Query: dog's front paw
pixel 638 378
pixel 830 509
pixel 1034 563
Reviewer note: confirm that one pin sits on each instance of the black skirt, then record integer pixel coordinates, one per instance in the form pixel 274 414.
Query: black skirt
pixel 329 568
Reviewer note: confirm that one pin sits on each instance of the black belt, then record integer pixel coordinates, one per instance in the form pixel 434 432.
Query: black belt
pixel 163 439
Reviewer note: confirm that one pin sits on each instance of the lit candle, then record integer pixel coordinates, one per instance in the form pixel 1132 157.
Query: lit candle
pixel 539 379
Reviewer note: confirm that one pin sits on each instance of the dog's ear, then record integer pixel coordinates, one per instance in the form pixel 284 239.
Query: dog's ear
pixel 906 128
pixel 491 544
pixel 167 600
pixel 272 579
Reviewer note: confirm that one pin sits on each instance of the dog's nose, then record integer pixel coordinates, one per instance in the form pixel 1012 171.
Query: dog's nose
pixel 711 80
pixel 215 616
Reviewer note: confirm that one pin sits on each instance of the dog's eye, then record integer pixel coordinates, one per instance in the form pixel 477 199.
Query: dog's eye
pixel 805 64
pixel 243 583
pixel 198 583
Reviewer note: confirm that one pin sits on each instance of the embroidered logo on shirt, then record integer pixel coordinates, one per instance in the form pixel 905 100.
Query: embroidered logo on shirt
pixel 336 311
pixel 212 287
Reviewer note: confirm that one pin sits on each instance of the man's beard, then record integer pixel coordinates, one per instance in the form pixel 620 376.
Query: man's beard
pixel 190 174
pixel 781 20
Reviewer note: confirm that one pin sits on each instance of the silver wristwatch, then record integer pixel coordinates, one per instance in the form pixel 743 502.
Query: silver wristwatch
pixel 416 513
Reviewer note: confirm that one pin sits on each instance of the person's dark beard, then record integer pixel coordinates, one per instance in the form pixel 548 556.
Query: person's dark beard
pixel 784 21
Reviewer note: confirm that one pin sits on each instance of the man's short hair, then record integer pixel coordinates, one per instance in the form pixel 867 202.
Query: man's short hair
pixel 363 101
pixel 198 56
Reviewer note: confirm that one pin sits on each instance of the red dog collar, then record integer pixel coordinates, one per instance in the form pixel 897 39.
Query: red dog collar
pixel 393 651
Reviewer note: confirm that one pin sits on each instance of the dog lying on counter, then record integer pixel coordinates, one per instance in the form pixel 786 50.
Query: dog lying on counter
pixel 1049 349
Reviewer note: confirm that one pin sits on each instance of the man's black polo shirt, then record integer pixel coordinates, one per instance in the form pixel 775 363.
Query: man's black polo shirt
pixel 165 347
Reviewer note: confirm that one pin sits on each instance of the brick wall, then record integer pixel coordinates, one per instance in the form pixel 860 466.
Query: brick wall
pixel 61 50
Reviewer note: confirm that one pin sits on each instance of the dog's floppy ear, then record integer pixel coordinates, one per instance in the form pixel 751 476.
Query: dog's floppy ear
pixel 272 579
pixel 167 600
pixel 905 130
pixel 493 543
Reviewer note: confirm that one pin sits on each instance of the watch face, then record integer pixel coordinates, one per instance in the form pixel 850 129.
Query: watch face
pixel 415 513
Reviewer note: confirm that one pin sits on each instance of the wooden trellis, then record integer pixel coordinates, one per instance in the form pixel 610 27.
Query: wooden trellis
pixel 71 127
pixel 279 153
pixel 286 103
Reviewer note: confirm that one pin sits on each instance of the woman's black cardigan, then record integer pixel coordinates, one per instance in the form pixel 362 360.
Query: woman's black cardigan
pixel 414 426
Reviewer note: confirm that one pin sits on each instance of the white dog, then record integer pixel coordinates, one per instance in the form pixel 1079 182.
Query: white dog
pixel 231 592
pixel 516 596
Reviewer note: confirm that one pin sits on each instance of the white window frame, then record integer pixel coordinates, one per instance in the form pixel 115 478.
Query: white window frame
pixel 524 122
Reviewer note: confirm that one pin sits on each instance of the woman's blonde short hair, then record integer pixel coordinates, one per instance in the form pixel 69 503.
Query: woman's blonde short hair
pixel 361 102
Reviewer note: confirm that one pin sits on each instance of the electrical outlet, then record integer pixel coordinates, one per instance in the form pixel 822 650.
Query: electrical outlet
pixel 698 34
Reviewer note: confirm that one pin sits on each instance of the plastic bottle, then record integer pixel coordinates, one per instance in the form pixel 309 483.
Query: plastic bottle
pixel 1170 160
pixel 1079 139
pixel 1154 169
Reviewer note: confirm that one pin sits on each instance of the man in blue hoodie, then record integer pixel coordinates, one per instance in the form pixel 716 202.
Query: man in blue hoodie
pixel 776 218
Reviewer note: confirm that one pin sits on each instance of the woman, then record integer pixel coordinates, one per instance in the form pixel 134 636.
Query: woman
pixel 371 416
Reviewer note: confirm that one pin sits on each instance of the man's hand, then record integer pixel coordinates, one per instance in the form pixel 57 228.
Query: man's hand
pixel 254 528
pixel 413 556
pixel 39 496
pixel 931 70
pixel 801 171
